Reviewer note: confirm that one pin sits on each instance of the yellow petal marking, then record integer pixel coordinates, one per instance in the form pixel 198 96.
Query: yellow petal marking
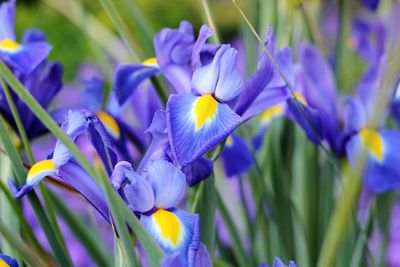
pixel 3 263
pixel 270 113
pixel 205 108
pixel 110 124
pixel 373 142
pixel 169 225
pixel 300 98
pixel 9 45
pixel 150 62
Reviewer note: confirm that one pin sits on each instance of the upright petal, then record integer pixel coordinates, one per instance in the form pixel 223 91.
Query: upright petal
pixel 230 81
pixel 205 78
pixel 197 124
pixel 7 17
pixel 168 182
pixel 204 34
pixel 138 193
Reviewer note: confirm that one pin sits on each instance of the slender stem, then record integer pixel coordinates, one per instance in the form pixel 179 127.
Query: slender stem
pixel 312 23
pixel 121 27
pixel 209 20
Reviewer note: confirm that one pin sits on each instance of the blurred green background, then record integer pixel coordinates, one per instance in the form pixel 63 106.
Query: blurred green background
pixel 69 44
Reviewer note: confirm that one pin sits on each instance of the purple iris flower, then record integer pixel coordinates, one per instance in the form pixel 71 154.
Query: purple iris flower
pixel 177 54
pixel 60 163
pixel 236 150
pixel 23 57
pixel 381 172
pixel 8 261
pixel 154 195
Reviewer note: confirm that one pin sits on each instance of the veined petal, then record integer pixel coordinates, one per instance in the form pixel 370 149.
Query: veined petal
pixel 236 156
pixel 169 183
pixel 7 17
pixel 197 124
pixel 7 261
pixel 128 77
pixel 205 78
pixel 230 81
pixel 175 231
pixel 382 172
pixel 174 260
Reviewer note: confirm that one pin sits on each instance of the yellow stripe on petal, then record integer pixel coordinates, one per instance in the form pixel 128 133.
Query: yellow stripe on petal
pixel 300 98
pixel 9 45
pixel 169 225
pixel 373 142
pixel 39 170
pixel 110 124
pixel 229 141
pixel 205 108
pixel 150 62
pixel 271 113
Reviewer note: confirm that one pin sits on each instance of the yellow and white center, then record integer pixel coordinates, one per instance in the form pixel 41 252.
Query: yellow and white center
pixel 152 62
pixel 39 170
pixel 9 45
pixel 110 124
pixel 169 226
pixel 205 109
pixel 373 142
pixel 272 112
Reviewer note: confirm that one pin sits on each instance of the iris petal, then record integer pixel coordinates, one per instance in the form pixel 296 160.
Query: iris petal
pixel 169 183
pixel 188 142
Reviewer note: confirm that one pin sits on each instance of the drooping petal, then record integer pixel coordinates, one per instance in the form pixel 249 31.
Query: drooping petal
pixel 72 174
pixel 197 124
pixel 92 96
pixel 7 261
pixel 267 99
pixel 36 173
pixel 24 57
pixel 128 77
pixel 7 17
pixel 198 170
pixel 255 85
pixel 307 118
pixel 168 182
pixel 236 156
pixel 175 231
pixel 382 172
pixel 139 193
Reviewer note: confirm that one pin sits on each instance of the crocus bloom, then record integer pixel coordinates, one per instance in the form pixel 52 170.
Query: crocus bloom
pixel 25 56
pixel 155 196
pixel 7 261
